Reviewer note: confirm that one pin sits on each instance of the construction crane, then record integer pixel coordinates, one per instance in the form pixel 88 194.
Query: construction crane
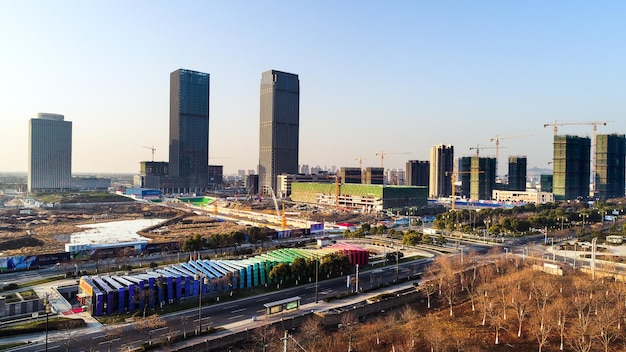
pixel 497 139
pixel 153 149
pixel 382 157
pixel 478 148
pixel 360 159
pixel 593 143
pixel 453 176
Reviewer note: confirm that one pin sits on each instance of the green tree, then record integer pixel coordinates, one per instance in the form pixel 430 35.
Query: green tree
pixel 299 267
pixel 195 243
pixel 280 271
pixel 411 239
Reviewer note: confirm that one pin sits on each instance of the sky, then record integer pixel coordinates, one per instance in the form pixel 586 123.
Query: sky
pixel 375 76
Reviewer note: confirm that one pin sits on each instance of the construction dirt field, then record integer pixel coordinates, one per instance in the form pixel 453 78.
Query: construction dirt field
pixel 47 230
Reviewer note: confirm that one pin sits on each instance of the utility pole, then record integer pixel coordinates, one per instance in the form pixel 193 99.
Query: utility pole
pixel 285 341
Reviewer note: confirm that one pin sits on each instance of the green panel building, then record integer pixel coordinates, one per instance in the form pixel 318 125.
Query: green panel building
pixel 362 197
pixel 571 167
pixel 482 178
pixel 610 165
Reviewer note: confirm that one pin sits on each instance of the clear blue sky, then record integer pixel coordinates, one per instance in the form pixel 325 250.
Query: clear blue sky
pixel 396 76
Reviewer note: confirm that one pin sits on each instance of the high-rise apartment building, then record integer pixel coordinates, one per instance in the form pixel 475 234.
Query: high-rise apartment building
pixel 350 175
pixel 374 176
pixel 441 167
pixel 465 167
pixel 482 178
pixel 610 165
pixel 49 153
pixel 417 173
pixel 189 130
pixel 571 172
pixel 279 127
pixel 517 173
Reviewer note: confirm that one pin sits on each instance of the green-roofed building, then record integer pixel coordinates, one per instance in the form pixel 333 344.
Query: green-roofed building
pixel 362 197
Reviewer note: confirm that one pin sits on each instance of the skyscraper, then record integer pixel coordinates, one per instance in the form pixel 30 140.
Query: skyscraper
pixel 571 172
pixel 279 127
pixel 441 167
pixel 351 174
pixel 417 173
pixel 49 153
pixel 517 173
pixel 610 168
pixel 189 130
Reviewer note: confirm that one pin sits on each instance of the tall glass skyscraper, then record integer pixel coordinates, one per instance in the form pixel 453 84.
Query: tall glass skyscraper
pixel 189 130
pixel 49 153
pixel 279 127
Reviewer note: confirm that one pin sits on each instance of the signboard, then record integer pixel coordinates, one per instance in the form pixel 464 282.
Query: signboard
pixel 608 217
pixel 317 229
pixel 86 287
pixel 292 305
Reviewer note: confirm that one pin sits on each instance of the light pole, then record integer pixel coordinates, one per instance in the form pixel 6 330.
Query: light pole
pixel 317 269
pixel 553 251
pixel 583 215
pixel 201 280
pixel 48 307
pixel 506 253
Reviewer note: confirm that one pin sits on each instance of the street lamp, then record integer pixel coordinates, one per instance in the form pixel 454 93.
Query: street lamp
pixel 48 308
pixel 200 280
pixel 583 215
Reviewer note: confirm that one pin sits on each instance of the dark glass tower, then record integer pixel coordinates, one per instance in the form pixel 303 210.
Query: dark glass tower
pixel 189 129
pixel 610 168
pixel 441 167
pixel 571 161
pixel 517 173
pixel 279 127
pixel 417 172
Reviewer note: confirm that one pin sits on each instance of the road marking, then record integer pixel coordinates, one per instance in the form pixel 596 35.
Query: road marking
pixel 236 316
pixel 238 310
pixel 229 307
pixel 261 311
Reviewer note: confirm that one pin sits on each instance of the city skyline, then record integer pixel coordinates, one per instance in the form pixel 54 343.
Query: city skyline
pixel 397 77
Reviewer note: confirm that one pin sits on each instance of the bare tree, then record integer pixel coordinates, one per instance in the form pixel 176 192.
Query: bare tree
pixel 148 324
pixel 434 332
pixel 311 330
pixel 541 326
pixel 561 309
pixel 267 337
pixel 606 322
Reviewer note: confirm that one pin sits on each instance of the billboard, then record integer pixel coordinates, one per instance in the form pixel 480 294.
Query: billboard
pixel 317 229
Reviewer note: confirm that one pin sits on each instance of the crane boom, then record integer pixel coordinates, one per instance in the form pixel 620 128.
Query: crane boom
pixel 382 157
pixel 497 139
pixel 593 143
pixel 153 149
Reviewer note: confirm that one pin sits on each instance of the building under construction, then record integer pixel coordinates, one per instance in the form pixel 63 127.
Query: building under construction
pixel 517 173
pixel 361 197
pixel 610 168
pixel 571 167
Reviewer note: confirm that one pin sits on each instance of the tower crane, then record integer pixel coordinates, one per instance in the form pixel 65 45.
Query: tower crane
pixel 478 148
pixel 382 157
pixel 153 149
pixel 360 159
pixel 593 143
pixel 453 177
pixel 497 139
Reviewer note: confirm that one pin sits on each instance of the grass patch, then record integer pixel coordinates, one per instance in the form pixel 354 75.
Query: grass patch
pixel 38 326
pixel 8 346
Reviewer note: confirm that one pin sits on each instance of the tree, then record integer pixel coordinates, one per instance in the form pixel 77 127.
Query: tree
pixel 195 243
pixel 299 267
pixel 280 271
pixel 148 324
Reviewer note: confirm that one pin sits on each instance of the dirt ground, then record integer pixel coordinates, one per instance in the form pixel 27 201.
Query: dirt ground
pixel 46 230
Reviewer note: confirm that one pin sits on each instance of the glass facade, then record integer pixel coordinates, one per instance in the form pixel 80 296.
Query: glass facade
pixel 441 167
pixel 517 173
pixel 189 129
pixel 49 153
pixel 279 127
